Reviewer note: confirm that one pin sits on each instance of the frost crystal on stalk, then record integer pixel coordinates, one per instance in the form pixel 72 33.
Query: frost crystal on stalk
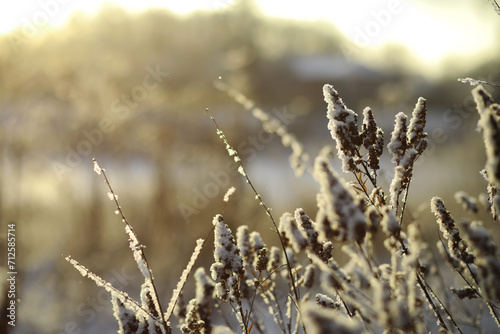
pixel 97 168
pixel 319 320
pixel 309 228
pixel 468 203
pixel 390 224
pixel 309 276
pixel 259 250
pixel 471 81
pixel 127 321
pixel 136 248
pixel 343 212
pixel 274 259
pixel 243 243
pixel 493 196
pixel 228 194
pixel 192 323
pixel 326 302
pixel 373 139
pixel 343 126
pixel 489 123
pixel 228 265
pixel 487 259
pixel 185 274
pixel 402 176
pixel 296 237
pixel 398 144
pixel 226 251
pixel 150 304
pixel 204 290
pixel 457 247
pixel 417 138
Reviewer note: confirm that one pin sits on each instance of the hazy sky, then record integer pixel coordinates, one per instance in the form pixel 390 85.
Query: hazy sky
pixel 430 29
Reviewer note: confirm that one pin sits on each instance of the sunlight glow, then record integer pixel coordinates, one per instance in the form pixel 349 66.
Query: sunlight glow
pixel 428 30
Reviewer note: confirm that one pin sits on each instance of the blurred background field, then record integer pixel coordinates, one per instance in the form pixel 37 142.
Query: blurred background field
pixel 129 86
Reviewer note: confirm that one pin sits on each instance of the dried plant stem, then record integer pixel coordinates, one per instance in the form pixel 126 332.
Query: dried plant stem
pixel 491 307
pixel 428 295
pixel 404 203
pixel 431 302
pixel 142 253
pixel 369 263
pixel 254 296
pixel 372 179
pixel 268 212
pixel 442 305
pixel 367 173
pixel 363 188
pixel 107 286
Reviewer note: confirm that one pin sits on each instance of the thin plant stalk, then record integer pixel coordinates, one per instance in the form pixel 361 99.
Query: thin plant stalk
pixel 268 212
pixel 124 219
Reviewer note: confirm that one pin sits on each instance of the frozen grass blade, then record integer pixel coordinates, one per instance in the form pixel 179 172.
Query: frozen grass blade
pixel 115 293
pixel 135 246
pixel 476 82
pixel 185 274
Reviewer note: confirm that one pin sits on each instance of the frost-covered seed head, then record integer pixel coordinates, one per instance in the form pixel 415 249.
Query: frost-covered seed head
pixel 343 126
pixel 257 245
pixel 465 292
pixel 487 261
pixel 457 247
pixel 148 300
pixel 309 276
pixel 369 133
pixel 227 257
pixel 321 321
pixel 373 219
pixel 482 98
pixel 373 139
pixel 402 176
pixel 467 202
pixel 491 133
pixel 295 235
pixel 343 210
pixel 390 224
pixel 192 323
pixel 326 302
pixel 493 192
pixel 309 228
pixel 274 259
pixel 327 253
pixel 480 238
pixel 489 123
pixel 127 321
pixel 417 138
pixel 262 260
pixel 256 241
pixel 398 144
pixel 243 243
pixel 204 286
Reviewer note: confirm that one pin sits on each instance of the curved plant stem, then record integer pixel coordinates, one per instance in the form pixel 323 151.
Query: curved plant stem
pixel 266 208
